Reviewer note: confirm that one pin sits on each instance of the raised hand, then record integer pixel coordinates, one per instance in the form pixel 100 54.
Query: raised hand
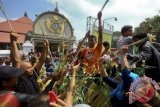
pixel 123 50
pixel 102 69
pixel 46 43
pixel 60 103
pixel 99 15
pixel 14 36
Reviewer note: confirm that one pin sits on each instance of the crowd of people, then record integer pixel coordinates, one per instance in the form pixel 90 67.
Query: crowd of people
pixel 36 80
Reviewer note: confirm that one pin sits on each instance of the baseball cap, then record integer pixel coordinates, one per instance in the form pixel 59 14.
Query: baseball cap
pixel 7 72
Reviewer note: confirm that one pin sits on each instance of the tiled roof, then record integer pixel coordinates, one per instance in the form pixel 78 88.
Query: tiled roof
pixel 21 25
pixel 5 37
pixel 25 20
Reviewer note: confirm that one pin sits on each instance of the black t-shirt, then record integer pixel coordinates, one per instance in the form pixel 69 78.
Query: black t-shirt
pixel 28 85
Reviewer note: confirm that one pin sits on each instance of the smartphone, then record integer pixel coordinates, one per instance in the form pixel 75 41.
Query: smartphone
pixel 52 96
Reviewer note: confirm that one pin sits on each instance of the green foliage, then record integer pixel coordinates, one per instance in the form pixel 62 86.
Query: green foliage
pixel 115 37
pixel 154 22
pixel 89 92
pixel 116 34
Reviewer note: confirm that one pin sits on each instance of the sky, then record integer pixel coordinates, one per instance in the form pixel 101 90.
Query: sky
pixel 128 12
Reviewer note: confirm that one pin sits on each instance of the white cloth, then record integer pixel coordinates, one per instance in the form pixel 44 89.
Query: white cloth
pixel 81 105
pixel 106 58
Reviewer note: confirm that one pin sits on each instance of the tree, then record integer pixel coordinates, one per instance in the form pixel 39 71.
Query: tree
pixel 115 37
pixel 153 22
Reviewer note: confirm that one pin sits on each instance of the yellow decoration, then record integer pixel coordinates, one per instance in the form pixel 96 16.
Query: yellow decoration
pixel 55 25
pixel 151 37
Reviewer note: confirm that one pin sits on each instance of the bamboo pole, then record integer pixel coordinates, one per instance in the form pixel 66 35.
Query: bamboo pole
pixel 8 21
pixel 104 5
pixel 149 37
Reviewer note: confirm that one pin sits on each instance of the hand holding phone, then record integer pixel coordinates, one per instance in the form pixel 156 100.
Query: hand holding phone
pixel 52 96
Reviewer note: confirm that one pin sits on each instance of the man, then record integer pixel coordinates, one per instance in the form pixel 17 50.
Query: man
pixel 118 97
pixel 9 78
pixel 49 65
pixel 126 38
pixel 110 63
pixel 149 54
pixel 91 55
pixel 28 82
pixel 107 50
pixel 8 85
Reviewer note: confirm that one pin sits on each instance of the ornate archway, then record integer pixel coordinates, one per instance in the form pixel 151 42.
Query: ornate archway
pixel 56 28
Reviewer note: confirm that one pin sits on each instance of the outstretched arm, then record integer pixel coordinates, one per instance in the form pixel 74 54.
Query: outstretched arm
pixel 122 54
pixel 69 97
pixel 100 28
pixel 98 49
pixel 127 75
pixel 14 52
pixel 145 54
pixel 111 82
pixel 43 56
pixel 70 93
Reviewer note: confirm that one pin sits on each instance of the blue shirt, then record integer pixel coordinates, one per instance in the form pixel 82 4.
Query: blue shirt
pixel 121 88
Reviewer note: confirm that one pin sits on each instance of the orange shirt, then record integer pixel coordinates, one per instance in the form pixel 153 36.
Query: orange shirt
pixel 91 57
